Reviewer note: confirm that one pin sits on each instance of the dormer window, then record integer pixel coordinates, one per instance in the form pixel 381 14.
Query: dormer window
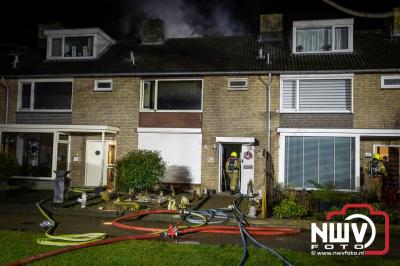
pixel 77 43
pixel 323 36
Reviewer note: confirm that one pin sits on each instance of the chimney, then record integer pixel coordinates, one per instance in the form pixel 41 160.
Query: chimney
pixel 42 39
pixel 396 21
pixel 152 31
pixel 271 27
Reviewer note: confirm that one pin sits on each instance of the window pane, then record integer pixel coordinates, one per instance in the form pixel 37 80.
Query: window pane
pixel 314 39
pixel 62 156
pixel 289 94
pixel 179 95
pixel 26 96
pixel 104 85
pixel 325 94
pixel 392 81
pixel 32 151
pixel 294 161
pixel 341 38
pixel 342 163
pixel 326 161
pixel 148 94
pixel 56 46
pixel 78 46
pixel 310 160
pixel 53 95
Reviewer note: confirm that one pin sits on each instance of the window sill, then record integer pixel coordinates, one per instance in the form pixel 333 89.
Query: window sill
pixel 315 112
pixel 44 111
pixel 33 178
pixel 323 52
pixel 171 111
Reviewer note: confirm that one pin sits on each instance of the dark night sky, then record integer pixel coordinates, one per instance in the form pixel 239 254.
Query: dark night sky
pixel 120 17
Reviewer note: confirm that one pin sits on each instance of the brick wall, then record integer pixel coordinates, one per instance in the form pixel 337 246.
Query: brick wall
pixel 232 114
pixel 43 118
pixel 290 120
pixel 119 108
pixel 375 107
pixel 170 119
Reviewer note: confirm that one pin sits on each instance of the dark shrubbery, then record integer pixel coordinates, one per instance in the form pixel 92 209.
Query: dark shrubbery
pixel 8 165
pixel 139 170
pixel 289 209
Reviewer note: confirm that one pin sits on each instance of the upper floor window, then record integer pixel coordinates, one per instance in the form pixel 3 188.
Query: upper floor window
pixel 323 36
pixel 171 95
pixel 238 84
pixel 103 85
pixel 45 95
pixel 76 43
pixel 316 94
pixel 390 82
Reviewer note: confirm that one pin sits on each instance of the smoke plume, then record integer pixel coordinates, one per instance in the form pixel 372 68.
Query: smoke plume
pixel 183 18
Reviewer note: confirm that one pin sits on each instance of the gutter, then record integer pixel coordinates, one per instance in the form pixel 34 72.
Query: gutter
pixel 208 73
pixel 7 99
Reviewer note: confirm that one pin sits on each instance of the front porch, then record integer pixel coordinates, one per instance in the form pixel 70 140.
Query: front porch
pixel 88 151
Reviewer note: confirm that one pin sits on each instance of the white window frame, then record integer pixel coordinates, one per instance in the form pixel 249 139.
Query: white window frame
pixel 97 81
pixel 32 82
pixel 383 86
pixel 50 46
pixel 282 149
pixel 319 76
pixel 333 23
pixel 156 95
pixel 238 88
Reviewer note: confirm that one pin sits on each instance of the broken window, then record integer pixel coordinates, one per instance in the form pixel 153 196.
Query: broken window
pixel 172 95
pixel 179 95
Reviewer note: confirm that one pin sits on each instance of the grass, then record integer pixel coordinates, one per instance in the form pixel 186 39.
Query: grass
pixel 16 245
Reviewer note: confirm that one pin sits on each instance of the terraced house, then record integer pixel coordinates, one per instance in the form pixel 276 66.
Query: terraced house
pixel 311 103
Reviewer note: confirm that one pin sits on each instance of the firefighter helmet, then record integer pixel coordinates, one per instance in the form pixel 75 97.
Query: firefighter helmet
pixel 376 156
pixel 234 154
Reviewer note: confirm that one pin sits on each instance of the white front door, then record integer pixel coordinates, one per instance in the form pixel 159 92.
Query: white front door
pixel 247 167
pixel 94 162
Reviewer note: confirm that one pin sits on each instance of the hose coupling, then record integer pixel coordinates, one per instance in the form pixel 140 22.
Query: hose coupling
pixel 46 224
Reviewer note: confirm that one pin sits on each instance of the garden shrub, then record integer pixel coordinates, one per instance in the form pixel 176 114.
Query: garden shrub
pixel 8 165
pixel 139 170
pixel 289 209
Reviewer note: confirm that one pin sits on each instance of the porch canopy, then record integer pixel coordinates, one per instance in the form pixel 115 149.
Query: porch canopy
pixel 58 130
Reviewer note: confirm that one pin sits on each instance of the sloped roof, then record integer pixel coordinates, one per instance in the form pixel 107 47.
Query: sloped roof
pixel 373 52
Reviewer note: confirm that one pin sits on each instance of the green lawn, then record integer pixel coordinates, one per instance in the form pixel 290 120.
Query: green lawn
pixel 15 245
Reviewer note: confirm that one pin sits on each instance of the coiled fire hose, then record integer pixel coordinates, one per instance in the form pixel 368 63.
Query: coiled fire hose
pixel 172 232
pixel 245 234
pixel 63 240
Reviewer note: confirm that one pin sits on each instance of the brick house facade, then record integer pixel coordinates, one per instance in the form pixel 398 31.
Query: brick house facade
pixel 281 140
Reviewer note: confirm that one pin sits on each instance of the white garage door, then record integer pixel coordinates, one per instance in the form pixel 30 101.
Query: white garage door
pixel 181 151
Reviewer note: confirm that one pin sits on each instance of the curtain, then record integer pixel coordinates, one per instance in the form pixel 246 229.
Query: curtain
pixel 314 39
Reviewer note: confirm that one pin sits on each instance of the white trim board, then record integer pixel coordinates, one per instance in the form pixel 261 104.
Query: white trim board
pixel 235 140
pixel 168 130
pixel 51 128
pixel 341 131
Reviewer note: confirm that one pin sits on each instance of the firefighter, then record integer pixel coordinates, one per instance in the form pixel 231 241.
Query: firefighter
pixel 232 169
pixel 376 171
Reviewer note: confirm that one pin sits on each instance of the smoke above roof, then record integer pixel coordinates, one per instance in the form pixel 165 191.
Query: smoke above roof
pixel 184 18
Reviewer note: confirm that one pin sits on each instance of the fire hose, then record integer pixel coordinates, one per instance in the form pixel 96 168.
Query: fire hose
pixel 63 240
pixel 89 240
